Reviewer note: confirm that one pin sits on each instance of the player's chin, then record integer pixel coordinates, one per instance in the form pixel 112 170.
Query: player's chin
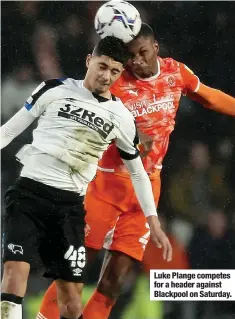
pixel 102 88
pixel 142 72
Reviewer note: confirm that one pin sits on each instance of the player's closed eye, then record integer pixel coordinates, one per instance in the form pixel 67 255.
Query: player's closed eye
pixel 143 52
pixel 115 72
pixel 103 68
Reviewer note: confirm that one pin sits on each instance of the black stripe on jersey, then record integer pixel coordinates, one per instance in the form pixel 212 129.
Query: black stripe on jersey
pixel 49 84
pixel 127 156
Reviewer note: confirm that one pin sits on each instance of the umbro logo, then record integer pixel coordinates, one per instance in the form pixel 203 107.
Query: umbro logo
pixel 77 272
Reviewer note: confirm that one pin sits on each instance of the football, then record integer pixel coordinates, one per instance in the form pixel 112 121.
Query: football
pixel 119 19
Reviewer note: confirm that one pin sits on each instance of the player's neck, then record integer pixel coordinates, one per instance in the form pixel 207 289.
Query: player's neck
pixel 156 68
pixel 152 74
pixel 87 85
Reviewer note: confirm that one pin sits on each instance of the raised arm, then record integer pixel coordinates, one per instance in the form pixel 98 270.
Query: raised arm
pixel 15 126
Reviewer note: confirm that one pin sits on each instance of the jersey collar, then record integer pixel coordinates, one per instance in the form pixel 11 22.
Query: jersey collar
pixel 154 77
pixel 99 98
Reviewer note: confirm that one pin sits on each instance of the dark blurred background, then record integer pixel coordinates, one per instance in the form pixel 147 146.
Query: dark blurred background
pixel 48 39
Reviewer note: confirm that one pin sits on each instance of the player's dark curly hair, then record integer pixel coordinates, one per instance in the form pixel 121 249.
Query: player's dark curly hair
pixel 113 48
pixel 145 31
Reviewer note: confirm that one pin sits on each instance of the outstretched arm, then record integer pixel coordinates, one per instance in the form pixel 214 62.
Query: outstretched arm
pixel 15 126
pixel 211 98
pixel 214 99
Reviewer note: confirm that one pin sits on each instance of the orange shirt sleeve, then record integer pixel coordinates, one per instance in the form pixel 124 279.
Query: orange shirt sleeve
pixel 190 80
pixel 205 95
pixel 214 99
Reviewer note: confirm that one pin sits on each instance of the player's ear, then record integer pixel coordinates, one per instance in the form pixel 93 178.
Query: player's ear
pixel 156 47
pixel 88 60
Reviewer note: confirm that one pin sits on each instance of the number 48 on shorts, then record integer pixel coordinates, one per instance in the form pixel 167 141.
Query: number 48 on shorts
pixel 192 285
pixel 76 256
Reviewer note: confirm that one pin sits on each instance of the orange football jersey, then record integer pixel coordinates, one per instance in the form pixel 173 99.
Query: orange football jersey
pixel 154 103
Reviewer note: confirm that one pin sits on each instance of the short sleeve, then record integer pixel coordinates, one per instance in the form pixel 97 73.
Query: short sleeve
pixel 128 140
pixel 41 97
pixel 190 80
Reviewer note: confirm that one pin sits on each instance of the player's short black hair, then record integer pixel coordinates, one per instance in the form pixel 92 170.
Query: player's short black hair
pixel 145 31
pixel 113 48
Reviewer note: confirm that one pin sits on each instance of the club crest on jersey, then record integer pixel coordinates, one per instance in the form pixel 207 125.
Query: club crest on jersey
pixel 87 118
pixel 171 81
pixel 16 249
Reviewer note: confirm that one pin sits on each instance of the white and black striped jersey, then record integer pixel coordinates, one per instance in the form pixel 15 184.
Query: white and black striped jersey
pixel 74 128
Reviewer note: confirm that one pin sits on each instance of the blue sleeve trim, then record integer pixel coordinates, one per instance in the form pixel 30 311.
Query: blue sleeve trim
pixel 62 79
pixel 28 106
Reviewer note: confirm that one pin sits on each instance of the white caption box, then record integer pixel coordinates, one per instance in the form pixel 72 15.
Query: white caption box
pixel 192 285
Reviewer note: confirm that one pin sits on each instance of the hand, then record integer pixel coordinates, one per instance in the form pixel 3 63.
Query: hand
pixel 146 142
pixel 159 237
